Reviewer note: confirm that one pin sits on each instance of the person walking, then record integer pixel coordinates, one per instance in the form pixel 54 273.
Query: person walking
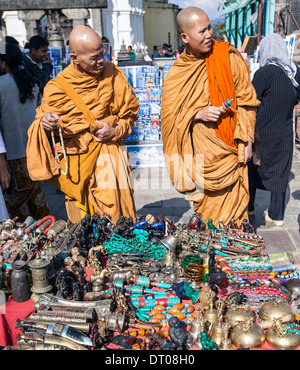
pixel 4 180
pixel 277 86
pixel 18 103
pixel 206 146
pixel 38 63
pixel 86 112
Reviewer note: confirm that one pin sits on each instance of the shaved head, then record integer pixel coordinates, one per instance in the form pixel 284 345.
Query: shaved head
pixel 195 30
pixel 86 50
pixel 82 38
pixel 187 16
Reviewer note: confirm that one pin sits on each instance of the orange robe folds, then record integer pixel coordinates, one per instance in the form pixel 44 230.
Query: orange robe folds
pixel 99 173
pixel 205 160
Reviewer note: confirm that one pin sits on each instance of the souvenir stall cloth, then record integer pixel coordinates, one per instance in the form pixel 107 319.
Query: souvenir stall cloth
pixel 145 285
pixel 10 312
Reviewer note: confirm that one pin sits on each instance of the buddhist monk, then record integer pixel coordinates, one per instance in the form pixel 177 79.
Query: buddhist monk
pixel 206 145
pixel 85 113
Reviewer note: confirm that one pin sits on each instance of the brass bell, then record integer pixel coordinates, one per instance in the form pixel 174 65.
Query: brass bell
pixel 197 326
pixel 247 335
pixel 210 315
pixel 275 309
pixel 217 333
pixel 170 242
pixel 278 337
pixel 226 342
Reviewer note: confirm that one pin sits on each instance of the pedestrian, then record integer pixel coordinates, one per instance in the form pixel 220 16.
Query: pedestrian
pixel 18 103
pixel 95 108
pixel 153 51
pixel 159 53
pixel 12 40
pixel 132 54
pixel 168 53
pixel 277 86
pixel 4 180
pixel 207 147
pixel 38 62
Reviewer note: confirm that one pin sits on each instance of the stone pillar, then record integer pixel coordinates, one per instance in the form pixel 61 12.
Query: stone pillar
pixel 79 16
pixel 30 18
pixel 96 21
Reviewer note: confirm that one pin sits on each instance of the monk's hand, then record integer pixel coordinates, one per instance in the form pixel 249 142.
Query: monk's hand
pixel 49 121
pixel 248 151
pixel 106 133
pixel 209 114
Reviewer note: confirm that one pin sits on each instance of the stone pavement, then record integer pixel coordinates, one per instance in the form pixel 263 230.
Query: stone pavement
pixel 155 195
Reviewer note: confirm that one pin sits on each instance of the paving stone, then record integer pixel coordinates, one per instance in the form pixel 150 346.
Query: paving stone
pixel 277 241
pixel 157 198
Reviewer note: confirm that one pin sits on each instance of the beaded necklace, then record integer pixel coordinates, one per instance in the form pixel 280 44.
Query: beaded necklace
pixel 57 160
pixel 118 244
pixel 292 329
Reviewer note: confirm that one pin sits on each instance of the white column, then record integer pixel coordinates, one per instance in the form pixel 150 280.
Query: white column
pixel 123 20
pixel 15 27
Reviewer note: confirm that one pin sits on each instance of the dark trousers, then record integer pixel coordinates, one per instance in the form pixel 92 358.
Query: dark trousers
pixel 277 201
pixel 276 207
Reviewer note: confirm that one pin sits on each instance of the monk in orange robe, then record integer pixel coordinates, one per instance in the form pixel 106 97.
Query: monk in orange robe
pixel 86 111
pixel 207 147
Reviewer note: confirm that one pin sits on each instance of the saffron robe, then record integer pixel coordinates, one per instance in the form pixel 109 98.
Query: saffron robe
pixel 206 160
pixel 99 173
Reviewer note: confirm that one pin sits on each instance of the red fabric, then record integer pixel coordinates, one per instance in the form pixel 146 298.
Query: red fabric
pixel 9 313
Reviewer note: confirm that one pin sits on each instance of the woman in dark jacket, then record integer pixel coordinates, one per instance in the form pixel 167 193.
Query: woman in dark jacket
pixel 277 86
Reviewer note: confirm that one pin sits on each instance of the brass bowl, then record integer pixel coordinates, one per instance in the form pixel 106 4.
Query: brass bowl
pixel 235 315
pixel 254 337
pixel 286 342
pixel 275 310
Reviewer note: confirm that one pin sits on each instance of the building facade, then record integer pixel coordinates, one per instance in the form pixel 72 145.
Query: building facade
pixel 160 23
pixel 259 18
pixel 139 23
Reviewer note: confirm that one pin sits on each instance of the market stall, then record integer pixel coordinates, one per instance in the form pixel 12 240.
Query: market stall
pixel 144 285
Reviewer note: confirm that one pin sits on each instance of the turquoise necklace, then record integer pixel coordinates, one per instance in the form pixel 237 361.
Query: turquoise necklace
pixel 118 244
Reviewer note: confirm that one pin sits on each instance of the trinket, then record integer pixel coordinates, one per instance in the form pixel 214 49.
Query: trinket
pixel 39 268
pixel 19 282
pixel 210 315
pixel 275 309
pixel 198 325
pixel 238 313
pixel 281 337
pixel 247 335
pixel 216 333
